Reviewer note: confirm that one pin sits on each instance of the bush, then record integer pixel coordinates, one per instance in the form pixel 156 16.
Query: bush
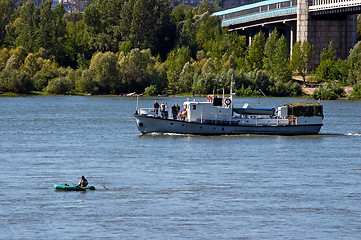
pixel 151 90
pixel 279 88
pixel 204 83
pixel 258 80
pixel 15 81
pixel 245 92
pixel 329 92
pixel 60 85
pixel 47 72
pixel 356 92
pixel 329 70
pixel 86 84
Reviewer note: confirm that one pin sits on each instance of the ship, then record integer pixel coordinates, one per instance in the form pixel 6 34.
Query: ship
pixel 217 116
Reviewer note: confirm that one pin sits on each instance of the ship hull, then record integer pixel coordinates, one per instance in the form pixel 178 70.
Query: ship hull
pixel 150 124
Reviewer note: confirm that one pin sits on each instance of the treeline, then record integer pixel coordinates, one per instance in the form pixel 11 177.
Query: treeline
pixel 122 46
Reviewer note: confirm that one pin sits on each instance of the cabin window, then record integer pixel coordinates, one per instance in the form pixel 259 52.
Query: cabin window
pixel 194 107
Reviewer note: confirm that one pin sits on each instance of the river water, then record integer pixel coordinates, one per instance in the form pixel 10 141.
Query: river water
pixel 173 186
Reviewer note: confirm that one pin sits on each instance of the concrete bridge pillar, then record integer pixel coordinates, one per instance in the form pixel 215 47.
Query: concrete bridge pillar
pixel 340 30
pixel 320 30
pixel 302 20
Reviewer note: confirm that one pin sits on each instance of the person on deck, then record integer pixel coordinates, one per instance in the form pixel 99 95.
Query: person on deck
pixel 178 108
pixel 166 111
pixel 156 107
pixel 83 182
pixel 162 110
pixel 174 111
pixel 183 115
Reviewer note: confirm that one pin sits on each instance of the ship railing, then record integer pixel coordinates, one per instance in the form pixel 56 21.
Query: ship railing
pixel 154 113
pixel 147 111
pixel 219 119
pixel 292 119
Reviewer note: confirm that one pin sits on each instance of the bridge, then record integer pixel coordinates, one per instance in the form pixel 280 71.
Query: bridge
pixel 317 21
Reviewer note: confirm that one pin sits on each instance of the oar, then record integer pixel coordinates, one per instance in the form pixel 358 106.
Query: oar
pixel 104 187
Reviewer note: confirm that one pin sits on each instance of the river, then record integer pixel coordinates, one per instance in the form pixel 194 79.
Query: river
pixel 173 186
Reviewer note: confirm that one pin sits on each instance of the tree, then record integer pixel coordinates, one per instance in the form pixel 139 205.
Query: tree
pixel 302 52
pixel 28 26
pixel 147 24
pixel 102 19
pixel 175 63
pixel 76 45
pixel 7 15
pixel 254 58
pixel 282 68
pixel 46 31
pixel 59 32
pixel 270 51
pixel 16 81
pixel 186 78
pixel 105 72
pixel 330 68
pixel 4 56
pixel 354 60
pixel 139 69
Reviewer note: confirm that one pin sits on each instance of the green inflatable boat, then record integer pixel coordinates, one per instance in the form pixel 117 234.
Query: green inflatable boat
pixel 72 187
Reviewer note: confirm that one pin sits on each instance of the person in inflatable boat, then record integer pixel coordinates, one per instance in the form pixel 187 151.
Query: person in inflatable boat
pixel 83 182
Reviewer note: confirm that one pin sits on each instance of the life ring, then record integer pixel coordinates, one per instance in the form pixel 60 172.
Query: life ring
pixel 227 101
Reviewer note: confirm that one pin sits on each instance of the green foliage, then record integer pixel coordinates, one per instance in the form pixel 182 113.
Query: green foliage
pixel 7 15
pixel 4 56
pixel 147 25
pixel 104 72
pixel 125 47
pixel 16 59
pixel 280 88
pixel 358 28
pixel 354 60
pixel 302 52
pixel 182 12
pixel 329 92
pixel 151 90
pixel 32 64
pixel 16 81
pixel 76 45
pixel 61 85
pixel 276 60
pixel 356 92
pixel 47 72
pixel 258 80
pixel 102 18
pixel 248 84
pixel 245 92
pixel 204 83
pixel 107 45
pixel 175 64
pixel 331 69
pixel 86 84
pixel 254 58
pixel 27 28
pixel 186 78
pixel 139 69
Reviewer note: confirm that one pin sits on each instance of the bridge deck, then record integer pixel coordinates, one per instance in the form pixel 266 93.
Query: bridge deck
pixel 269 9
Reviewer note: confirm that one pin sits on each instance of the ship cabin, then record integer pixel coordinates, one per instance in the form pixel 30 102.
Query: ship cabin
pixel 214 110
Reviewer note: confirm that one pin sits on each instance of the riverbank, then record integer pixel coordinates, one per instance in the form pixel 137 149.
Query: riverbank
pixel 311 86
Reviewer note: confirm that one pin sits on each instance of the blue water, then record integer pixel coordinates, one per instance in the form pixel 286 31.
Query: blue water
pixel 172 186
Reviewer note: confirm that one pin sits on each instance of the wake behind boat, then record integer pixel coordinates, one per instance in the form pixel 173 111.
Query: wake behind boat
pixel 216 116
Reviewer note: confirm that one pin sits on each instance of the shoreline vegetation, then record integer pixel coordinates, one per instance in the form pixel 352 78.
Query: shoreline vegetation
pixel 143 47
